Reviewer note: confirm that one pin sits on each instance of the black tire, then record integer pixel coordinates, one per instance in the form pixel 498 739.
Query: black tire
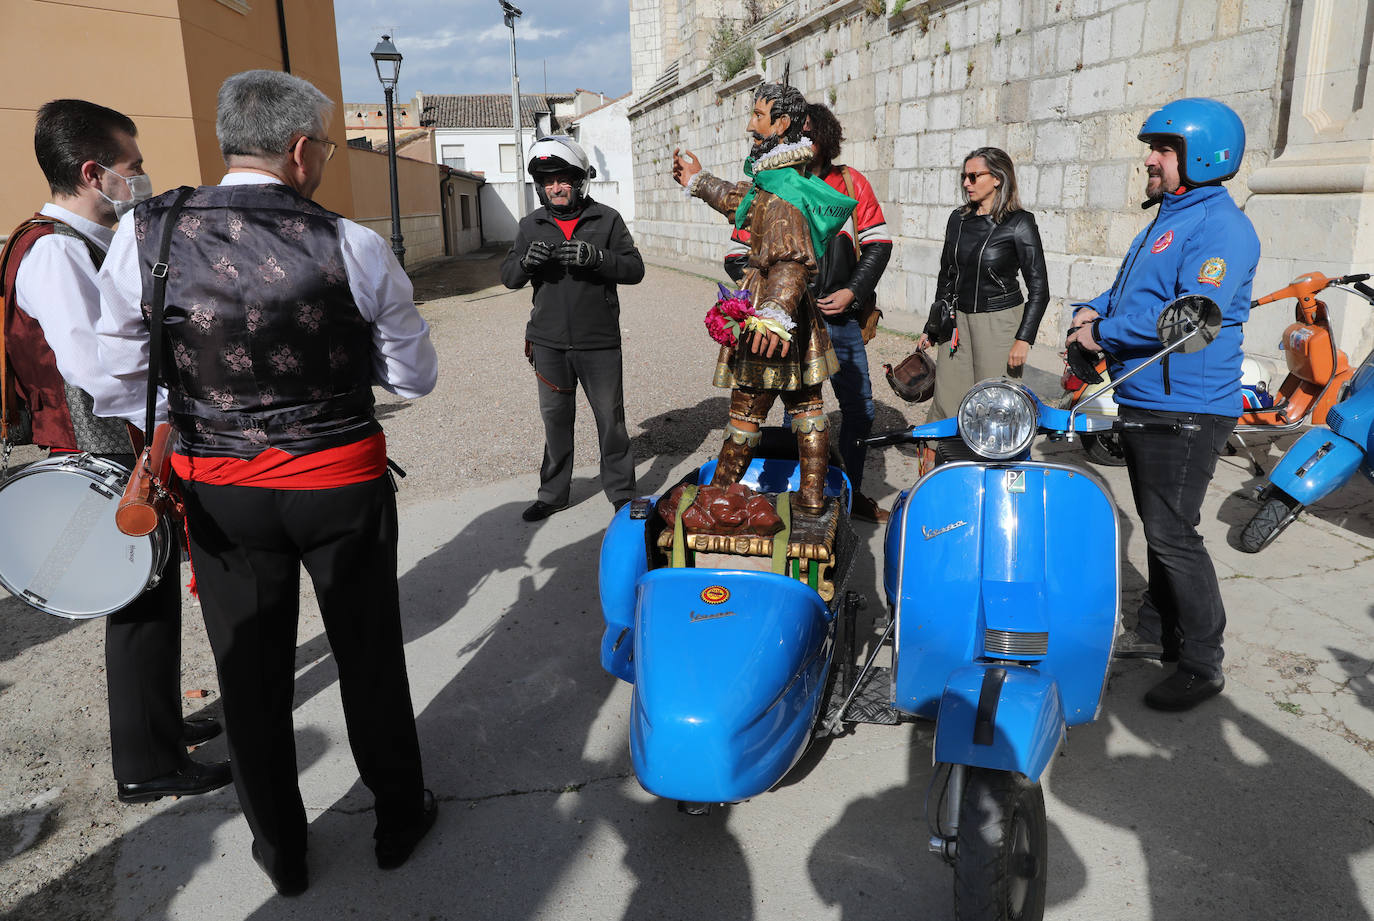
pixel 1105 449
pixel 1000 867
pixel 1277 513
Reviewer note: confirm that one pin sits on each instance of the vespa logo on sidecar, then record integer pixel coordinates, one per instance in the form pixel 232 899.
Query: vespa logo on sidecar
pixel 712 615
pixel 928 533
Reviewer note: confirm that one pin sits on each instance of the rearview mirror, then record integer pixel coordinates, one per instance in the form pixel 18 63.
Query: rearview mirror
pixel 1191 322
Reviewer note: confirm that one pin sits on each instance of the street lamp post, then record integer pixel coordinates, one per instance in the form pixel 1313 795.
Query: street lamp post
pixel 513 13
pixel 388 61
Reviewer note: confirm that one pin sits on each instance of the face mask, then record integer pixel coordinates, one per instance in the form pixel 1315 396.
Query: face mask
pixel 140 189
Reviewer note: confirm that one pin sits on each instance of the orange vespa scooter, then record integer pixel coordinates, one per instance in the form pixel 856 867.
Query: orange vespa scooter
pixel 1316 367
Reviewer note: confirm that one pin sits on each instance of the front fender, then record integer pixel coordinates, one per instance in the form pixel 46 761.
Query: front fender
pixel 624 560
pixel 1006 718
pixel 1316 465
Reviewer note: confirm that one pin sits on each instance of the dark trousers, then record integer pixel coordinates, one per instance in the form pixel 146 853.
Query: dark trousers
pixel 1182 607
pixel 247 546
pixel 599 373
pixel 143 675
pixel 854 393
pixel 143 680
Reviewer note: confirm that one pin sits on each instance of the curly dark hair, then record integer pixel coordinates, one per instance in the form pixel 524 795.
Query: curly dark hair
pixel 787 100
pixel 826 134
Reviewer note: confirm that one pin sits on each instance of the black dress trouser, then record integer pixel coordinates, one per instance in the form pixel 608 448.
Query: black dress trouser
pixel 247 547
pixel 143 675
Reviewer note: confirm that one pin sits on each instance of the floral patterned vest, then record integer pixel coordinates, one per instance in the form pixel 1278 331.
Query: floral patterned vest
pixel 263 343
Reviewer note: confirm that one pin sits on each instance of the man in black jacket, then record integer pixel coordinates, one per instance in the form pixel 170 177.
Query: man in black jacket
pixel 575 250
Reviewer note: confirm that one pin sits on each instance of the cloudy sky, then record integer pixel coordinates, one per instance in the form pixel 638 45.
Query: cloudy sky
pixel 463 46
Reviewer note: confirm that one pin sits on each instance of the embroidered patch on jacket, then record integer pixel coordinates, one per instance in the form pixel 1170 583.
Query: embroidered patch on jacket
pixel 1163 242
pixel 1213 272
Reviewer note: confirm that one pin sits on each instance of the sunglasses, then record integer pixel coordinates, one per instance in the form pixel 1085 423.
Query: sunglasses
pixel 973 177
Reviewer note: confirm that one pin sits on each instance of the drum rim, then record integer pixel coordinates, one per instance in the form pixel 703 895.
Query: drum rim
pixel 82 464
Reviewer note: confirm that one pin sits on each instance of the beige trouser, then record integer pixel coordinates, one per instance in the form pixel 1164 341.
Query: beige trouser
pixel 984 341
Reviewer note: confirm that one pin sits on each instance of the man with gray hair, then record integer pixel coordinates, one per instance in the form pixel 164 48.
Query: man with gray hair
pixel 279 318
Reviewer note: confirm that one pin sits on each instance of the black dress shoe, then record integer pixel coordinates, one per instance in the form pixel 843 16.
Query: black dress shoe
pixel 395 847
pixel 541 510
pixel 198 732
pixel 1183 690
pixel 288 884
pixel 192 778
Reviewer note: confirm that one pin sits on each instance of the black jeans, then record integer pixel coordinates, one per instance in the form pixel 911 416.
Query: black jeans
pixel 1182 607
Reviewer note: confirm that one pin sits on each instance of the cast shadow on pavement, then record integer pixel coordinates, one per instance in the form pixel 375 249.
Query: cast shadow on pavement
pixel 874 862
pixel 1235 821
pixel 530 772
pixel 143 873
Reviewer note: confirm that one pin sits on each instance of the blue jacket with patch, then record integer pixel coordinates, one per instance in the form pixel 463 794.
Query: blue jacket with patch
pixel 1198 243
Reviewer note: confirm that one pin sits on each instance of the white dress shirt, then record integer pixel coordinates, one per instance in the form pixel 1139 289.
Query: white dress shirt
pixel 403 359
pixel 57 286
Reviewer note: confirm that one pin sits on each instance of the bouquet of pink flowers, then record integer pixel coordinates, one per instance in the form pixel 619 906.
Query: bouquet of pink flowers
pixel 733 311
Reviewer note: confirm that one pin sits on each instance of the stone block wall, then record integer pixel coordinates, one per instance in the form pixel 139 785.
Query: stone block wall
pixel 1061 85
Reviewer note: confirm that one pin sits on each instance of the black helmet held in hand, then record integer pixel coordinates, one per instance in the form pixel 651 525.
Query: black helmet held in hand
pixel 914 377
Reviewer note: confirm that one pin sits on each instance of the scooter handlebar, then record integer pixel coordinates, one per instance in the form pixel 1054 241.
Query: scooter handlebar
pixel 885 438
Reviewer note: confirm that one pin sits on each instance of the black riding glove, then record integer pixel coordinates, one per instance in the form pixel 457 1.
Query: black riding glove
pixel 539 253
pixel 580 254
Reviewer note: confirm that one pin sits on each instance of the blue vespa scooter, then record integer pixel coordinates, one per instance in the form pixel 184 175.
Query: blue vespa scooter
pixel 1323 459
pixel 1002 577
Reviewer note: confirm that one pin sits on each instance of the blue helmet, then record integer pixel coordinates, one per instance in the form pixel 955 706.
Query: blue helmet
pixel 1210 136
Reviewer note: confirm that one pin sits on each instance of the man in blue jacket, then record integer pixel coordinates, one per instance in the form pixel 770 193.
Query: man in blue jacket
pixel 1198 243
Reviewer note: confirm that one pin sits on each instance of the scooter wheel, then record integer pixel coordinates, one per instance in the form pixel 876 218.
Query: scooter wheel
pixel 1273 516
pixel 1000 867
pixel 1105 449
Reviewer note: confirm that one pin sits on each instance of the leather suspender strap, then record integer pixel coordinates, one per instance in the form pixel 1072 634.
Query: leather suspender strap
pixel 849 190
pixel 158 304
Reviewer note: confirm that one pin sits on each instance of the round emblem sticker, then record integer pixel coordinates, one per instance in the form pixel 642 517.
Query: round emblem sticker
pixel 1163 242
pixel 715 594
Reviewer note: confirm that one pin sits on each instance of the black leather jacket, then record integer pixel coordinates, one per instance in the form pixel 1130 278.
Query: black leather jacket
pixel 986 271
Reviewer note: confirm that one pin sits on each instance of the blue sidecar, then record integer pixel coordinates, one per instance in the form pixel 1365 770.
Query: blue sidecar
pixel 730 666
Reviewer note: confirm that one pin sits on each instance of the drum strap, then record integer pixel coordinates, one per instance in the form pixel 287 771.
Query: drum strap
pixel 158 304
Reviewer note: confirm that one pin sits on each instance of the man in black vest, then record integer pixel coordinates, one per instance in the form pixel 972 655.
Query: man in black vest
pixel 279 318
pixel 89 155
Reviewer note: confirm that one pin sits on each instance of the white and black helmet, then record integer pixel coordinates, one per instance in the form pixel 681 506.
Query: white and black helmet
pixel 557 153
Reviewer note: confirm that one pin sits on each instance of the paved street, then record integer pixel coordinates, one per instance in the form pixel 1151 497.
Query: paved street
pixel 1257 805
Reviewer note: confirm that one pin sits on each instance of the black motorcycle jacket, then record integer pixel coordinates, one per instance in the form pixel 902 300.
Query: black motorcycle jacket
pixel 984 258
pixel 576 308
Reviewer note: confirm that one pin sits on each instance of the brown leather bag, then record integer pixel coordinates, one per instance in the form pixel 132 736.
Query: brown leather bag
pixel 147 495
pixel 869 314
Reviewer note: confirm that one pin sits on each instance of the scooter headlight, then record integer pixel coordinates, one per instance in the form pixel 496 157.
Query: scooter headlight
pixel 997 419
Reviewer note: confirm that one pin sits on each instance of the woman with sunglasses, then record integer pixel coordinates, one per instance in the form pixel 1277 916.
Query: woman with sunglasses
pixel 987 241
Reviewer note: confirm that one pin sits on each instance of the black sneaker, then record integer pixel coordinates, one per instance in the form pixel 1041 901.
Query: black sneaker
pixel 1131 645
pixel 541 510
pixel 1183 690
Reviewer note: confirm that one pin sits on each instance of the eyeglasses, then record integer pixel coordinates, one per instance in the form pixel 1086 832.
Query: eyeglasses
pixel 973 177
pixel 329 146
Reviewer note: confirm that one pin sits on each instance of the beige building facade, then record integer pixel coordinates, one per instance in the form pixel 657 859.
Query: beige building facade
pixel 1063 86
pixel 160 62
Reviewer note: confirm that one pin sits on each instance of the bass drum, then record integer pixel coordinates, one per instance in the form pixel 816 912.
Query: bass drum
pixel 60 550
